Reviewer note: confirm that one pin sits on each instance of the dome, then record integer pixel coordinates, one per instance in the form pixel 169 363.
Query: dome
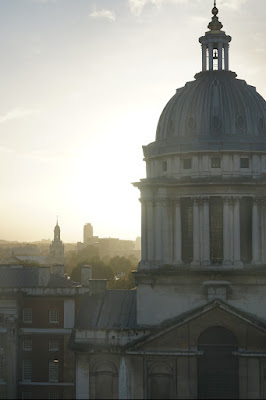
pixel 214 112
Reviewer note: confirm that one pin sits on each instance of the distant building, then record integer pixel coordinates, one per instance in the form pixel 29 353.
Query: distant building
pixel 57 247
pixel 109 247
pixel 37 316
pixel 26 250
pixel 87 233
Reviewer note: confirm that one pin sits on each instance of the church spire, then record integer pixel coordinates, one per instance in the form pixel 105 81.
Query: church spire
pixel 57 231
pixel 215 45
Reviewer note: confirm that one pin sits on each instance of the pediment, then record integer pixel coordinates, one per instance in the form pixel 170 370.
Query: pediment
pixel 180 335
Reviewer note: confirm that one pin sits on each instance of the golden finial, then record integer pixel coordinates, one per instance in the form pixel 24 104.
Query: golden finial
pixel 215 25
pixel 215 9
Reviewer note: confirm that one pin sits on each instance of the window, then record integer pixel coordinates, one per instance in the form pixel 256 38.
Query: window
pixel 27 370
pixel 216 162
pixel 2 369
pixel 53 371
pixel 2 341
pixel 187 163
pixel 27 315
pixel 54 316
pixel 244 162
pixel 26 395
pixel 3 393
pixel 53 345
pixel 27 345
pixel 164 166
pixel 53 396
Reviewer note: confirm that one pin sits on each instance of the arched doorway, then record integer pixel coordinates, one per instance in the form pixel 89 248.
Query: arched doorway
pixel 217 367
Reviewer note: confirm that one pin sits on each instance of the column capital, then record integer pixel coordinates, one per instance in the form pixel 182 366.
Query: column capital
pixel 147 200
pixel 205 200
pixel 236 199
pixel 258 200
pixel 162 201
pixel 196 200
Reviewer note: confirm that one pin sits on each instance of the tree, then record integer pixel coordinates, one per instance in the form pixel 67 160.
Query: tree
pixel 99 269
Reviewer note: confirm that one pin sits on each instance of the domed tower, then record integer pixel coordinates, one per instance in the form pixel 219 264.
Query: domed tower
pixel 203 214
pixel 57 247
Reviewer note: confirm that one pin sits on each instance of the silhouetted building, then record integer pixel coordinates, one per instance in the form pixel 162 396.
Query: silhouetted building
pixel 109 247
pixel 87 233
pixel 57 247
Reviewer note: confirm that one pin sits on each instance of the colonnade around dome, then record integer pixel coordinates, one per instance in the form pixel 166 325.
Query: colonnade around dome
pixel 203 230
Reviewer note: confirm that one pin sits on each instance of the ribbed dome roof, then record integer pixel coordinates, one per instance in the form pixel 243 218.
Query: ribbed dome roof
pixel 215 108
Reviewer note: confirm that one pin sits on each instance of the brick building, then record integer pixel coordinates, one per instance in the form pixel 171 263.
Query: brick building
pixel 37 315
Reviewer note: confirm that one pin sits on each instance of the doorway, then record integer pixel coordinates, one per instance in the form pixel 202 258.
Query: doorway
pixel 218 366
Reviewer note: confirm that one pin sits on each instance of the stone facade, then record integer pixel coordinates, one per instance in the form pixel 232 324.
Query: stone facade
pixel 195 327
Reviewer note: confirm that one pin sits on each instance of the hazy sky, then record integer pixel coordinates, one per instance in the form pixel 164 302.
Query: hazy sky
pixel 82 87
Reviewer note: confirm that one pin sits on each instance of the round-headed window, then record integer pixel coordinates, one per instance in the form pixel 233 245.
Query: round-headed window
pixel 240 122
pixel 215 122
pixel 171 127
pixel 191 123
pixel 261 125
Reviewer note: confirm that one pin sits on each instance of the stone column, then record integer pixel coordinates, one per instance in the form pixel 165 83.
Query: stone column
pixel 226 57
pixel 255 232
pixel 166 252
pixel 220 56
pixel 123 381
pixel 237 257
pixel 196 232
pixel 177 233
pixel 204 57
pixel 158 231
pixel 227 232
pixel 143 230
pixel 150 230
pixel 210 57
pixel 206 231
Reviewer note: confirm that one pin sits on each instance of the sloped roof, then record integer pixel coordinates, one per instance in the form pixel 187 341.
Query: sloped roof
pixel 59 281
pixel 41 260
pixel 114 309
pixel 18 277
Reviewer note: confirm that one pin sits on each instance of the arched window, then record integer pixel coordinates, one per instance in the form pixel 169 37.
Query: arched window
pixel 160 381
pixel 105 381
pixel 217 367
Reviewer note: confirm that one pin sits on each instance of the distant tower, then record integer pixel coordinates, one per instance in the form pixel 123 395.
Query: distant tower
pixel 87 233
pixel 57 247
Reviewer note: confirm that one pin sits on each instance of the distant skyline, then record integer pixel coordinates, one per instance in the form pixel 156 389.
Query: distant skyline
pixel 83 84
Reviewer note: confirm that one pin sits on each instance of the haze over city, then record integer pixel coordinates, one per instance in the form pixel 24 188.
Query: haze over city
pixel 82 87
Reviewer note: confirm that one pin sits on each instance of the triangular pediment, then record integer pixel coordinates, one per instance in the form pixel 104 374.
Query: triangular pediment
pixel 181 334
